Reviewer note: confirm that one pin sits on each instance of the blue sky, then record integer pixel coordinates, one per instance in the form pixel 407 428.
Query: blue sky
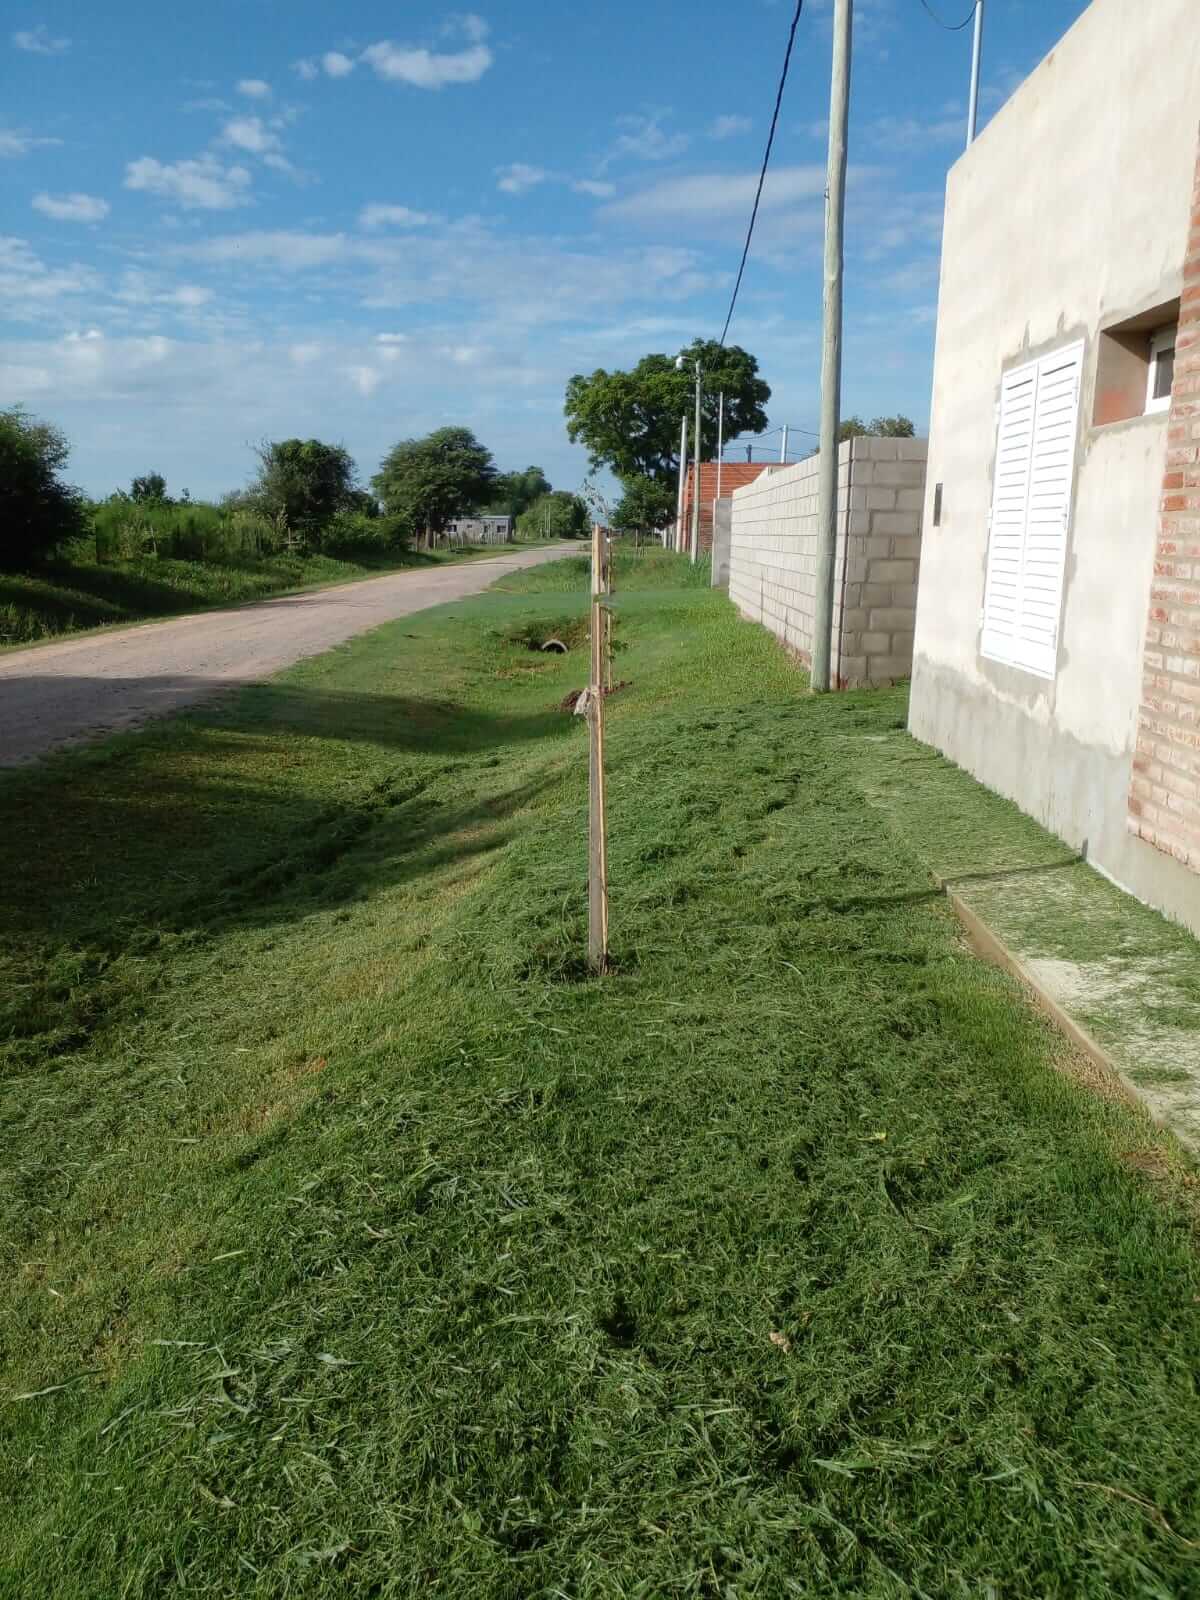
pixel 251 219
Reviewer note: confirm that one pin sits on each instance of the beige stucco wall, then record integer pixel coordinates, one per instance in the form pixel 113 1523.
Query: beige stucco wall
pixel 1068 214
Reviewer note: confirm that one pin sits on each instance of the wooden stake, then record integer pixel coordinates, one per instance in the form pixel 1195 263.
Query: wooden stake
pixel 597 830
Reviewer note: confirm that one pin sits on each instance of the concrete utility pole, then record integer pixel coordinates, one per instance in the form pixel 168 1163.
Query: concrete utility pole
pixel 682 475
pixel 831 360
pixel 697 452
pixel 783 447
pixel 976 53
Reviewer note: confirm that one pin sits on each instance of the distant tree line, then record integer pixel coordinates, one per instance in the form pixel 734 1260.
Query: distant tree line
pixel 305 496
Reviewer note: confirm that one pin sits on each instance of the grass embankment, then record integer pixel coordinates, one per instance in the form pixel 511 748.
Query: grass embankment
pixel 355 1246
pixel 69 596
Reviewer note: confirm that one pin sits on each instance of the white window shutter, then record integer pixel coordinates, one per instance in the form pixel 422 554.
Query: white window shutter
pixel 1010 499
pixel 1035 461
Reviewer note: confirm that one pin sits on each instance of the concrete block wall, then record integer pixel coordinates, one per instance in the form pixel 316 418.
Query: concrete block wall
pixel 772 564
pixel 722 532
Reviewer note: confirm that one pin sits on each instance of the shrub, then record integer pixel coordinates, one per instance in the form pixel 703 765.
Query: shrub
pixel 352 534
pixel 37 510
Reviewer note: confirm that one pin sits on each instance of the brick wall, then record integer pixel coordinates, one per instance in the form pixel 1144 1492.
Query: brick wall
pixel 772 568
pixel 733 475
pixel 1164 798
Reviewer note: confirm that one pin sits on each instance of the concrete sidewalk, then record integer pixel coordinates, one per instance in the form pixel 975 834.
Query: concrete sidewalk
pixel 1117 971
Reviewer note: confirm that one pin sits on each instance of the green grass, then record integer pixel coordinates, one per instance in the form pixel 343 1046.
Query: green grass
pixel 70 596
pixel 357 1245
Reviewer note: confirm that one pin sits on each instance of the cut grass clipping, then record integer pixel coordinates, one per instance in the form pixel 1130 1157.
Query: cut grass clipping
pixel 349 1250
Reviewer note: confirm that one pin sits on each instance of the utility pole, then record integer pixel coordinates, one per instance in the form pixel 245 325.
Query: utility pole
pixel 697 452
pixel 682 472
pixel 831 359
pixel 976 53
pixel 783 447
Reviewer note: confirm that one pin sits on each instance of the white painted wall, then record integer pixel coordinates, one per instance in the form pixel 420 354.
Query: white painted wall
pixel 1069 213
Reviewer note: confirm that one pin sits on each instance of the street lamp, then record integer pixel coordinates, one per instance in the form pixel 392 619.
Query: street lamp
pixel 680 365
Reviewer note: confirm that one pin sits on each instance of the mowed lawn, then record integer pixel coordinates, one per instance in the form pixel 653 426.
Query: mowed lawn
pixel 355 1242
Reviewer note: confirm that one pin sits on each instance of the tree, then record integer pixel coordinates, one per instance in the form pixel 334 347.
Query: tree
pixel 629 421
pixel 432 480
pixel 880 428
pixel 37 510
pixel 150 490
pixel 305 480
pixel 515 492
pixel 557 515
pixel 645 506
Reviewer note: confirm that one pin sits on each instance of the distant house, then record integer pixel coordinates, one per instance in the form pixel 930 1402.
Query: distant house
pixel 480 530
pixel 733 475
pixel 1057 647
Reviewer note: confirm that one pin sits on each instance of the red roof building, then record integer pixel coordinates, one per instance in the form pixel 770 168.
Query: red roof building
pixel 733 475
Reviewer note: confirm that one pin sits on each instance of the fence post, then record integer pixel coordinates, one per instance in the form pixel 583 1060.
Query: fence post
pixel 597 830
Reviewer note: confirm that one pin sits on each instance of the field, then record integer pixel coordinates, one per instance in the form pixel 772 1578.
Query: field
pixel 356 1243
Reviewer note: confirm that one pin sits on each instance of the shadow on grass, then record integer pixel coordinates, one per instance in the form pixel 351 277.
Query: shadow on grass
pixel 254 816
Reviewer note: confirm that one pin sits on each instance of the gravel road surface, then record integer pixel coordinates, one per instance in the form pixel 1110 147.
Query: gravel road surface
pixel 60 694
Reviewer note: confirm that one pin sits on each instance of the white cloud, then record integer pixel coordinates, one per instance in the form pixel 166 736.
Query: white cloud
pixel 596 187
pixel 909 134
pixel 30 289
pixel 519 176
pixel 306 70
pixel 713 195
pixel 250 134
pixel 200 185
pixel 729 126
pixel 645 139
pixel 379 215
pixel 391 338
pixel 208 102
pixel 254 88
pixel 19 142
pixel 71 207
pixel 365 379
pixel 433 69
pixel 39 41
pixel 274 247
pixel 336 64
pixel 139 288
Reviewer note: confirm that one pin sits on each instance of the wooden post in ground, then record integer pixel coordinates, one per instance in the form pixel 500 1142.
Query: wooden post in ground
pixel 597 834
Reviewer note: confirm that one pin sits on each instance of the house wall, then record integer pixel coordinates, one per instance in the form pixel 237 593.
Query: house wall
pixel 1068 214
pixel 773 557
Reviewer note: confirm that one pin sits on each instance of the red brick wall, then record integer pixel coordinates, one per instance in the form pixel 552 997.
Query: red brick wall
pixel 1164 799
pixel 733 475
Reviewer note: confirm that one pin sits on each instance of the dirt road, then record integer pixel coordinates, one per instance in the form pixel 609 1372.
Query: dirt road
pixel 59 694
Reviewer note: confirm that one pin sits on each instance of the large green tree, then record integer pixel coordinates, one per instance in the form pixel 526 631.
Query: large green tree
pixel 37 510
pixel 430 481
pixel 557 515
pixel 515 492
pixel 307 481
pixel 646 506
pixel 629 421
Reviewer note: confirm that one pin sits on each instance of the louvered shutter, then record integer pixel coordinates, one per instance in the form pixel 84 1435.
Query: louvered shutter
pixel 1031 508
pixel 1010 501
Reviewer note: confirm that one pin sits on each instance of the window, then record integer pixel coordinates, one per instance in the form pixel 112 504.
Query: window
pixel 1162 369
pixel 1135 363
pixel 1031 509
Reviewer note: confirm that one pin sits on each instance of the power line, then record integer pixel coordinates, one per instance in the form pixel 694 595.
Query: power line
pixel 950 27
pixel 763 173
